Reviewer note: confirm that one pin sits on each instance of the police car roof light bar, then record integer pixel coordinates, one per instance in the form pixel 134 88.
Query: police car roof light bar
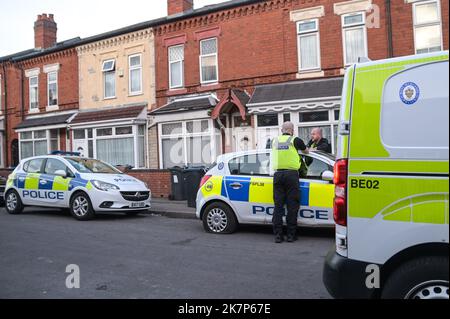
pixel 63 153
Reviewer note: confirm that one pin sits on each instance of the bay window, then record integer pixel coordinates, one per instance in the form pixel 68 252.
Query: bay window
pixel 308 45
pixel 135 76
pixel 354 37
pixel 208 61
pixel 427 26
pixel 121 145
pixel 176 66
pixel 188 143
pixel 35 143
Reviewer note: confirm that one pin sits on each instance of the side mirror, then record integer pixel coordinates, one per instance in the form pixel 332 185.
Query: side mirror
pixel 328 176
pixel 61 173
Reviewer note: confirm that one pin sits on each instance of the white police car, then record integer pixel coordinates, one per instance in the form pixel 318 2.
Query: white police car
pixel 239 190
pixel 83 185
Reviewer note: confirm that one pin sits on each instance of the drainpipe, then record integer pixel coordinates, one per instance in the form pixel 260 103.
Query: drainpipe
pixel 389 28
pixel 5 137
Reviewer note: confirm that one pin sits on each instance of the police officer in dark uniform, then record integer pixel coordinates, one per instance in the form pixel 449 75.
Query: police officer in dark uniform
pixel 286 186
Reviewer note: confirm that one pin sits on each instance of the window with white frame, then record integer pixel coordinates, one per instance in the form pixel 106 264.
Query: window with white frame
pixel 1 96
pixel 122 145
pixel 34 92
pixel 208 61
pixel 308 45
pixel 135 67
pixel 354 35
pixel 176 66
pixel 109 79
pixel 35 143
pixel 52 88
pixel 188 143
pixel 427 26
pixel 327 120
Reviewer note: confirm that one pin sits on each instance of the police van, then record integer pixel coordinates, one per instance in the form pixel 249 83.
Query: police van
pixel 82 185
pixel 239 190
pixel 392 181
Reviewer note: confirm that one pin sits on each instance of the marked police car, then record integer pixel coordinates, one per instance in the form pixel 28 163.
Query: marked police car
pixel 239 190
pixel 82 185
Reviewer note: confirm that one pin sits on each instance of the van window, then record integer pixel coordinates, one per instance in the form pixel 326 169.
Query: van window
pixel 414 116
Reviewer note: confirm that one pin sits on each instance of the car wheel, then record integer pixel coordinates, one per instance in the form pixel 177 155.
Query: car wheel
pixel 81 207
pixel 218 218
pixel 13 203
pixel 421 278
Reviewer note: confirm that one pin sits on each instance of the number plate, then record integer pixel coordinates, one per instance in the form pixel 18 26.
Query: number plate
pixel 138 205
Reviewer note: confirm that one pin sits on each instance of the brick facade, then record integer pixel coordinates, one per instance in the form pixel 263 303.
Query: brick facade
pixel 159 181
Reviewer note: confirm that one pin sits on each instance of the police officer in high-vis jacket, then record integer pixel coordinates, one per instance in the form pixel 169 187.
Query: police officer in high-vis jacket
pixel 286 185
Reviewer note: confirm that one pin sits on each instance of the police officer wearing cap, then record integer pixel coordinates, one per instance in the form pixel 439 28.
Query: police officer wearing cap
pixel 286 186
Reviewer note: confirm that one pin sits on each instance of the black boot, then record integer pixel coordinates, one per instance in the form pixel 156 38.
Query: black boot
pixel 279 238
pixel 292 237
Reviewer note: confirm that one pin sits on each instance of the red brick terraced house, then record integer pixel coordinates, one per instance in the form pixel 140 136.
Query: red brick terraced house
pixel 249 65
pixel 39 95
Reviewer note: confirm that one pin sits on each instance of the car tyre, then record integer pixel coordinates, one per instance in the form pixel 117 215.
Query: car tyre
pixel 81 207
pixel 421 278
pixel 219 218
pixel 13 203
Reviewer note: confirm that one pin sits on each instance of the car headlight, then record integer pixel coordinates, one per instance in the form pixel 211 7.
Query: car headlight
pixel 103 186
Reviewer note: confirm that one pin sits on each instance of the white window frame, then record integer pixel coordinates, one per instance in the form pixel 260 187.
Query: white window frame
pixel 316 32
pixel 174 62
pixel 1 101
pixel 134 68
pixel 416 25
pixel 216 55
pixel 47 138
pixel 104 72
pixel 33 109
pixel 48 90
pixel 184 135
pixel 134 134
pixel 353 26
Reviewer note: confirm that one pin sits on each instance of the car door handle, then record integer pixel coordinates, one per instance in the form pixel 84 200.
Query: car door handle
pixel 43 182
pixel 236 185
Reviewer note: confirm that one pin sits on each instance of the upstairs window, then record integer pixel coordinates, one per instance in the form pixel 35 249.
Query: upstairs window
pixel 52 88
pixel 34 93
pixel 308 45
pixel 135 67
pixel 109 79
pixel 354 37
pixel 208 61
pixel 427 26
pixel 176 66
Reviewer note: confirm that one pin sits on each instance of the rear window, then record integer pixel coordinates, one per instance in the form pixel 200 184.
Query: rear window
pixel 33 166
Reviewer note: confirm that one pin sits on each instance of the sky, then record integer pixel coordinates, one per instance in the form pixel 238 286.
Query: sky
pixel 75 18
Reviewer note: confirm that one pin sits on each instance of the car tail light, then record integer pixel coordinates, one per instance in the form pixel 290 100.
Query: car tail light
pixel 340 199
pixel 204 180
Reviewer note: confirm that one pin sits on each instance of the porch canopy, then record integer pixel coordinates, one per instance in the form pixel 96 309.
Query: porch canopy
pixel 108 115
pixel 296 96
pixel 233 99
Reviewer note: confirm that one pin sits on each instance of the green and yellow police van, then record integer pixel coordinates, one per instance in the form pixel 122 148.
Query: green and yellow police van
pixel 392 181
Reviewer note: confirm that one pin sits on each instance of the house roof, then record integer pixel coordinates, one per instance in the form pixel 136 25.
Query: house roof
pixel 32 53
pixel 187 104
pixel 294 91
pixel 116 113
pixel 45 121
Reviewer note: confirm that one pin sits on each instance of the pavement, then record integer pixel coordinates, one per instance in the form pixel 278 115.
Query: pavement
pixel 172 209
pixel 154 257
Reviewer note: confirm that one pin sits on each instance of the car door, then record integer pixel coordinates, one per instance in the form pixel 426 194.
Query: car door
pixel 317 195
pixel 249 187
pixel 29 185
pixel 55 187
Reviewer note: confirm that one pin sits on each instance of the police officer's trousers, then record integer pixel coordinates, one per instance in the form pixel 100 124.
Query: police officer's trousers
pixel 286 191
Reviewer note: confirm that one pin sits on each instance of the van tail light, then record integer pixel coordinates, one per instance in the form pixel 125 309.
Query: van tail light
pixel 340 199
pixel 204 180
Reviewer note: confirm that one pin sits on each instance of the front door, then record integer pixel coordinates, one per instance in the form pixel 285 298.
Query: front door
pixel 243 139
pixel 265 137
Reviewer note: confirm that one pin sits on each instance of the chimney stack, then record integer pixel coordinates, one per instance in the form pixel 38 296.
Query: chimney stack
pixel 179 6
pixel 44 31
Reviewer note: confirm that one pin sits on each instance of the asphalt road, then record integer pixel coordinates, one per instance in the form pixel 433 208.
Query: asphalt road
pixel 154 257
